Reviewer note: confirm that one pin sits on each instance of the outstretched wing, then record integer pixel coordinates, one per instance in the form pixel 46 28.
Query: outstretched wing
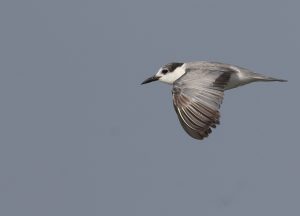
pixel 197 97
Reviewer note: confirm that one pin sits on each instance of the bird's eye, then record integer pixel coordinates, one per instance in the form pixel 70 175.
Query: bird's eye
pixel 164 71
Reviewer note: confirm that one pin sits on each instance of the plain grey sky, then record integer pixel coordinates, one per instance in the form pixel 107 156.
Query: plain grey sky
pixel 80 136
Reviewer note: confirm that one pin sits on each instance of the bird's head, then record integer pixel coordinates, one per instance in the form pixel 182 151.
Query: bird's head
pixel 169 73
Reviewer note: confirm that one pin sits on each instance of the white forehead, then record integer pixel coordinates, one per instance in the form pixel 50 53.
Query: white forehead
pixel 171 77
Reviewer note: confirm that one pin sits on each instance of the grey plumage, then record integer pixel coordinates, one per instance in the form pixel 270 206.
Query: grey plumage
pixel 197 97
pixel 198 91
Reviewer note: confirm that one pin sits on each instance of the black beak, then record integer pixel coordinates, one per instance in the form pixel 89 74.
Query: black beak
pixel 151 79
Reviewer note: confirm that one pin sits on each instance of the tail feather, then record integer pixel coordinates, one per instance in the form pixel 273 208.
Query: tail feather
pixel 265 78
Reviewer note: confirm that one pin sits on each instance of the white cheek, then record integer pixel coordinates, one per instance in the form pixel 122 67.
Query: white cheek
pixel 173 76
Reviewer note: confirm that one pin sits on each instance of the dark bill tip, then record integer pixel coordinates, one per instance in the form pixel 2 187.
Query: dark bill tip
pixel 151 79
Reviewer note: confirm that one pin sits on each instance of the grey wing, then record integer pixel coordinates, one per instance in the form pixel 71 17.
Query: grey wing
pixel 197 98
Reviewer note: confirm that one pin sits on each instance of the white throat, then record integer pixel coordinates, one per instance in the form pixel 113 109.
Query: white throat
pixel 170 78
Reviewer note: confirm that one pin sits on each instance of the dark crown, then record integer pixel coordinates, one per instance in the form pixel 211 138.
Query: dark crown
pixel 172 66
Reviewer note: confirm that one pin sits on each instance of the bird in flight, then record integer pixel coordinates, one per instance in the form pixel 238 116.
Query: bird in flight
pixel 198 90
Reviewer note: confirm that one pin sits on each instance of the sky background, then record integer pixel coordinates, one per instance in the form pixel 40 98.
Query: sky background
pixel 79 135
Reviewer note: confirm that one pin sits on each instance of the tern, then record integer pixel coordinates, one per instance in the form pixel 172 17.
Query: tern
pixel 198 91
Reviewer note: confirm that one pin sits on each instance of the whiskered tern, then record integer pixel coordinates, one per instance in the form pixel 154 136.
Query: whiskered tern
pixel 198 90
